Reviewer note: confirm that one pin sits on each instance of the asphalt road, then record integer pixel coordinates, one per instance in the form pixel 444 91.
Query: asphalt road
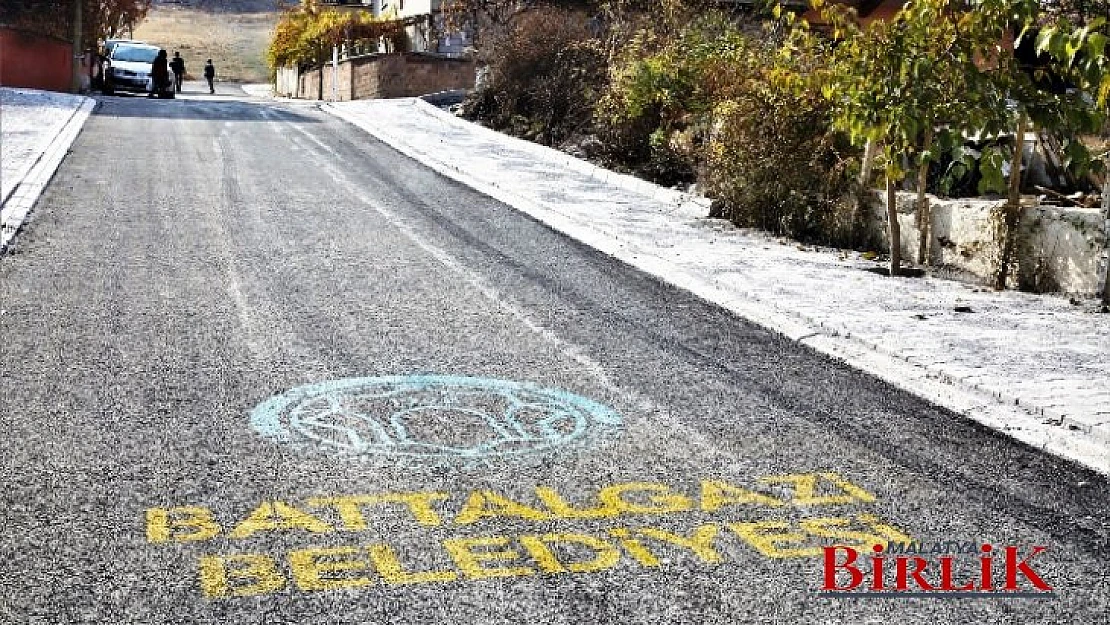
pixel 259 368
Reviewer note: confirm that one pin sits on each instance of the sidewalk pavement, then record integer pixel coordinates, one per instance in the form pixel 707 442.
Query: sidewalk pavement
pixel 258 90
pixel 1034 367
pixel 36 130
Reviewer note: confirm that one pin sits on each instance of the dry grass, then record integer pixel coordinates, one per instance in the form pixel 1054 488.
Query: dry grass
pixel 234 37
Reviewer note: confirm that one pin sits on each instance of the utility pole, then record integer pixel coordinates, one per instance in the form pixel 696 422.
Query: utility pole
pixel 78 48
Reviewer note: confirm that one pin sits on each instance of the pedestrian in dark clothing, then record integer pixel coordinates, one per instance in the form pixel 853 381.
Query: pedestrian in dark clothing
pixel 159 74
pixel 178 67
pixel 210 75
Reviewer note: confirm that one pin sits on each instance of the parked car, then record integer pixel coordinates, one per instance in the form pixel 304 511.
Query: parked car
pixel 129 67
pixel 102 59
pixel 110 44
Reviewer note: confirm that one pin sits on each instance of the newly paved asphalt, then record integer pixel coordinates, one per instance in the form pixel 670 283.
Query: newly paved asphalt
pixel 194 258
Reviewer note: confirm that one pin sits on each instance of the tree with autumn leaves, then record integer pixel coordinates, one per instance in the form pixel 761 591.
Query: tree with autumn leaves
pixel 100 19
pixel 306 32
pixel 108 19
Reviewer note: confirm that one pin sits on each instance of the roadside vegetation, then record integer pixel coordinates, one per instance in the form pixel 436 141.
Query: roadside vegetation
pixel 784 123
pixel 305 33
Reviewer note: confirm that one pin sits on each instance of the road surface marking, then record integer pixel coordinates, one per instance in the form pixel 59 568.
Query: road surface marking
pixel 707 523
pixel 430 416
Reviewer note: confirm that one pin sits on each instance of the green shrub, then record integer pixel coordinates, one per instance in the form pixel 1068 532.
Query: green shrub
pixel 654 114
pixel 717 104
pixel 773 163
pixel 544 76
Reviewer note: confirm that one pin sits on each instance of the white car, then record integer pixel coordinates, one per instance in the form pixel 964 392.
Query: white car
pixel 110 44
pixel 128 68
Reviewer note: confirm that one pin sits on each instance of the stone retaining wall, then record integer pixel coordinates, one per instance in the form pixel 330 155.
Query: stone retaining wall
pixel 380 76
pixel 1059 247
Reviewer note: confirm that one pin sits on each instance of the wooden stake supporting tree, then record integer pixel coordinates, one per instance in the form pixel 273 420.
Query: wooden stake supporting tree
pixel 924 218
pixel 1104 278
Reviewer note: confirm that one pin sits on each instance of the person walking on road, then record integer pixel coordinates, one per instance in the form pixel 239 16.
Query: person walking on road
pixel 178 67
pixel 159 74
pixel 210 75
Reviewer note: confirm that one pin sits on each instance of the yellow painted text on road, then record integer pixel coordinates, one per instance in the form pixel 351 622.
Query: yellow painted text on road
pixel 355 513
pixel 778 516
pixel 317 569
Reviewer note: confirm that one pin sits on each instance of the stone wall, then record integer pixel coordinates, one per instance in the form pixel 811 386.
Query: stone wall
pixel 287 82
pixel 386 76
pixel 1059 247
pixel 308 85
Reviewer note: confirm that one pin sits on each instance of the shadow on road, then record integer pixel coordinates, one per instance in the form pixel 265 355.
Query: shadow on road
pixel 210 108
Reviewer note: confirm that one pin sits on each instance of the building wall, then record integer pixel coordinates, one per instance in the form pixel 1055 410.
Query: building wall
pixel 308 85
pixel 406 8
pixel 389 76
pixel 342 76
pixel 370 76
pixel 35 62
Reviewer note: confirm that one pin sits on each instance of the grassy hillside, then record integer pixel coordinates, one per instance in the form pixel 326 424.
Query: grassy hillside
pixel 233 33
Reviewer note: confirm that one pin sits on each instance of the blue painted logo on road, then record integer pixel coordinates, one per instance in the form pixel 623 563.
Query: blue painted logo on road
pixel 431 416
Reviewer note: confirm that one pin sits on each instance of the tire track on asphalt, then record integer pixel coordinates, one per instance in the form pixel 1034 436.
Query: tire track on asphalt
pixel 1065 526
pixel 270 338
pixel 328 157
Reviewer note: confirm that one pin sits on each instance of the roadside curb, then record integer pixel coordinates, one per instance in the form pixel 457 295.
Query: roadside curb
pixel 16 208
pixel 1041 427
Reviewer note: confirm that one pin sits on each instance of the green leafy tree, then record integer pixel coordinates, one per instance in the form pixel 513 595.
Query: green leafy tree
pixel 940 70
pixel 1081 56
pixel 897 81
pixel 1033 102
